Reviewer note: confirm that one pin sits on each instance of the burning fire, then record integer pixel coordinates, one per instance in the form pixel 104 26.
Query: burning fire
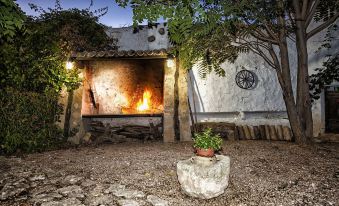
pixel 144 104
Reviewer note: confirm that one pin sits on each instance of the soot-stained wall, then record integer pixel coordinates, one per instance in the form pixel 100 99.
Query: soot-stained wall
pixel 118 84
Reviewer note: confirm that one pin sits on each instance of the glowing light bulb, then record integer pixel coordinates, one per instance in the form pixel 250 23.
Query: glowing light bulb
pixel 170 63
pixel 69 65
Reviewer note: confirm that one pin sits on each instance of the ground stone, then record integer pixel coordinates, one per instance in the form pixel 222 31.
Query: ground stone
pixel 43 189
pixel 114 188
pixel 12 190
pixel 87 183
pixel 100 200
pixel 127 193
pixel 37 178
pixel 204 182
pixel 97 191
pixel 156 201
pixel 40 198
pixel 128 203
pixel 65 202
pixel 71 191
pixel 71 179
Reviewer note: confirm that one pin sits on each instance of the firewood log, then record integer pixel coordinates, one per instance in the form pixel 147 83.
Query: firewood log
pixel 287 133
pixel 262 132
pixel 267 132
pixel 246 132
pixel 251 129
pixel 273 133
pixel 241 132
pixel 279 132
pixel 256 132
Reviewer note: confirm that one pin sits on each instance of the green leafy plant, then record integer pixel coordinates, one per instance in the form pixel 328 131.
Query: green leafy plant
pixel 11 20
pixel 324 76
pixel 207 139
pixel 27 121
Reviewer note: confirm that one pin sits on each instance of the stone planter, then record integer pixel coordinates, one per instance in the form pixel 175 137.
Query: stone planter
pixel 201 180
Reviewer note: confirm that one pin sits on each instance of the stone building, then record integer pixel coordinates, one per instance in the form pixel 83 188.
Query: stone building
pixel 116 81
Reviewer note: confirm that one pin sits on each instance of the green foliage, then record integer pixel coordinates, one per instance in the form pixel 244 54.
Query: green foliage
pixel 330 70
pixel 27 121
pixel 209 32
pixel 207 139
pixel 202 32
pixel 324 76
pixel 35 60
pixel 72 29
pixel 32 73
pixel 30 66
pixel 11 20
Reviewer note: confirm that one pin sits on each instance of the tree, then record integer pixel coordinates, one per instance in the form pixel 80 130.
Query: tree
pixel 35 60
pixel 215 31
pixel 11 19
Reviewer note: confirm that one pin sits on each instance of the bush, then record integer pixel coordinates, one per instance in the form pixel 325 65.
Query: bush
pixel 27 121
pixel 207 139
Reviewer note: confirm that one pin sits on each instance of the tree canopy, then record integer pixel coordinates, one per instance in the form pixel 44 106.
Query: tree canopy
pixel 207 30
pixel 35 59
pixel 11 19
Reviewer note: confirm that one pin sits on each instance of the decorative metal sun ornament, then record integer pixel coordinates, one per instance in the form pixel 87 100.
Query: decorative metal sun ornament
pixel 245 79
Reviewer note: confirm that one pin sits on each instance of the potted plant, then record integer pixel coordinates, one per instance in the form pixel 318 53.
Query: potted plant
pixel 206 143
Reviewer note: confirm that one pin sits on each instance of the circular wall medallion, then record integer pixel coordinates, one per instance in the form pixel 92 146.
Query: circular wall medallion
pixel 245 79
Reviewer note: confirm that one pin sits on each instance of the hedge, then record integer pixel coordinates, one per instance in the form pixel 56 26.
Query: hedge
pixel 27 121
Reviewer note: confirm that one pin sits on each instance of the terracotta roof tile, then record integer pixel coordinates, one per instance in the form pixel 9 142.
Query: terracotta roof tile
pixel 115 53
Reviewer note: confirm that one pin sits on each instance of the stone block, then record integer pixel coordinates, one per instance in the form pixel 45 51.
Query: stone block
pixel 205 182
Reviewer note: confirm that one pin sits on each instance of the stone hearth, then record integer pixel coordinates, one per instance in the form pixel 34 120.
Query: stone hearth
pixel 113 84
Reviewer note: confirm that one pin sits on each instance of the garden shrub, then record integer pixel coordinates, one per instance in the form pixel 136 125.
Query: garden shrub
pixel 27 121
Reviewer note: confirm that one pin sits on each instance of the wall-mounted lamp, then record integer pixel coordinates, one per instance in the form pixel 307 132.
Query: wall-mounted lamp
pixel 69 65
pixel 170 62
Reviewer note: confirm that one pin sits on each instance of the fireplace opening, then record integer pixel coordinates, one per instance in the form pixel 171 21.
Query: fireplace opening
pixel 120 87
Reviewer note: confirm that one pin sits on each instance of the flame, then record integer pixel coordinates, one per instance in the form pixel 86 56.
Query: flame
pixel 144 104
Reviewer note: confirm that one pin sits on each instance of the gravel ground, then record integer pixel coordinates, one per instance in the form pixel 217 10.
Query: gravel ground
pixel 262 173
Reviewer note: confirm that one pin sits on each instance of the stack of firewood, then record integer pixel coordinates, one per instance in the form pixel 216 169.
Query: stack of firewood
pixel 97 128
pixel 231 131
pixel 266 132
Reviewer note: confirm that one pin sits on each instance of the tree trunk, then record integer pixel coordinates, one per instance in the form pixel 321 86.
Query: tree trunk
pixel 286 86
pixel 285 82
pixel 304 106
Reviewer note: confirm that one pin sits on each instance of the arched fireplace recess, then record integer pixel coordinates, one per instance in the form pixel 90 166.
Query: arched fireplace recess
pixel 132 93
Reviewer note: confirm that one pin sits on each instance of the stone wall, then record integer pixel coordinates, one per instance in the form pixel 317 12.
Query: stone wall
pixel 74 101
pixel 169 103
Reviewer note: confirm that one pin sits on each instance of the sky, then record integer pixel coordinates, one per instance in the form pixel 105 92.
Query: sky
pixel 116 16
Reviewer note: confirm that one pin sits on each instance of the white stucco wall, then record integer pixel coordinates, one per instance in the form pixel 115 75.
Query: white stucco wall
pixel 220 99
pixel 127 40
